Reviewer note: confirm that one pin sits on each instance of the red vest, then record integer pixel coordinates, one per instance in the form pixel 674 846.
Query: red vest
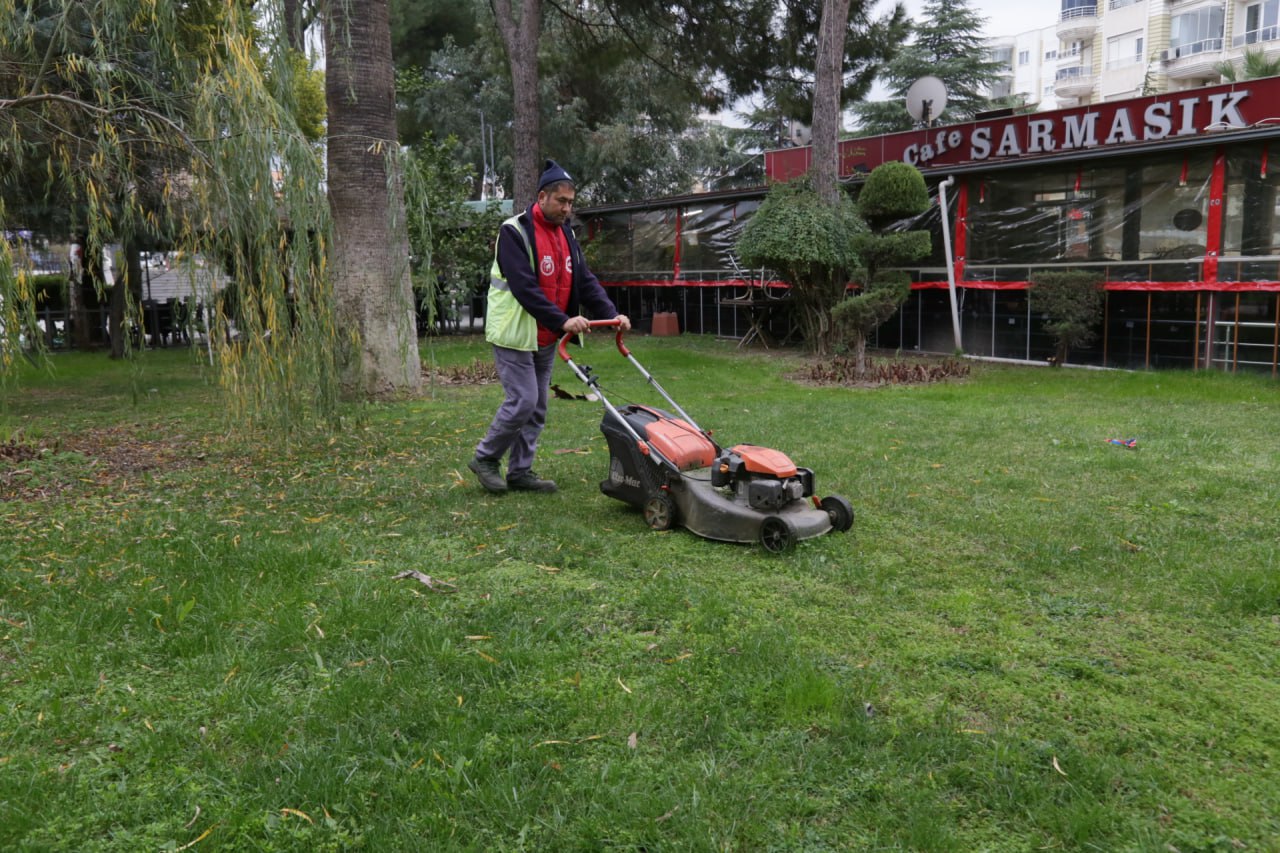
pixel 555 267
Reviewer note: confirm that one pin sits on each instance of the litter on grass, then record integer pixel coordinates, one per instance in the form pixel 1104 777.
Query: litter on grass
pixel 1131 443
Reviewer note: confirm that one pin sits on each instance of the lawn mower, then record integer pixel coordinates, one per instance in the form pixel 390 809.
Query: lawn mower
pixel 668 467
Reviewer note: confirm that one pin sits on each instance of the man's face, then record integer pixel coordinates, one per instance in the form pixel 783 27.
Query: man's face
pixel 557 203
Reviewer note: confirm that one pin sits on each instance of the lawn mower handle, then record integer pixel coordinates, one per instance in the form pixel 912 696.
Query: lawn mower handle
pixel 626 353
pixel 595 324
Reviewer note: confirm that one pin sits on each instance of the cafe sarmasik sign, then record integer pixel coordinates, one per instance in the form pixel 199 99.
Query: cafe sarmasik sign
pixel 1137 122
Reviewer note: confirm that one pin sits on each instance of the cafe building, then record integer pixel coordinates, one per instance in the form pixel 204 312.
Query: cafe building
pixel 1170 199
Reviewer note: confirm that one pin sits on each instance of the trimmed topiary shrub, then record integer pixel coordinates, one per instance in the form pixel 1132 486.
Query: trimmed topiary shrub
pixel 812 245
pixel 893 191
pixel 1072 302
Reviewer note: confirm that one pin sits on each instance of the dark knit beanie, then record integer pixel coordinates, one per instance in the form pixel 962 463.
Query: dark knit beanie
pixel 552 173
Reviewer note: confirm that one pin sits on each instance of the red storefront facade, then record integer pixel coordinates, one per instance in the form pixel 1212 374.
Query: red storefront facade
pixel 1171 199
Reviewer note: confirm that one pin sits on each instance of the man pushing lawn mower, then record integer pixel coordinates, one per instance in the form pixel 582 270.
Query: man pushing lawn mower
pixel 538 284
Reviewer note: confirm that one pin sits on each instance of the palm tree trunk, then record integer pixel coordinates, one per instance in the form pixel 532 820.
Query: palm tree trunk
pixel 373 292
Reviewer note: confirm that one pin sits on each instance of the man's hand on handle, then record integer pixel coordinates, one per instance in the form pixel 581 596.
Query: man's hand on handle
pixel 578 325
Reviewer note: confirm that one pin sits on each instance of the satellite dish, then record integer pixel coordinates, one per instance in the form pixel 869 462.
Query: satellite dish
pixel 926 99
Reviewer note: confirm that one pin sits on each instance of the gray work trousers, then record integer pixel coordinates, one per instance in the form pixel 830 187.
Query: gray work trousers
pixel 526 379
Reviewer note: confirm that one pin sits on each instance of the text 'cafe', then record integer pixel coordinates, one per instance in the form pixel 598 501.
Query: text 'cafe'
pixel 1169 198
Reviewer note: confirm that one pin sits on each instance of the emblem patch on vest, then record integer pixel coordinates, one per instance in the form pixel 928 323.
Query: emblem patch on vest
pixel 548 265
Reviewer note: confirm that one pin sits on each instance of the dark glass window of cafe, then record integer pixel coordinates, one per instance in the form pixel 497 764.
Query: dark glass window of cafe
pixel 1251 220
pixel 1150 210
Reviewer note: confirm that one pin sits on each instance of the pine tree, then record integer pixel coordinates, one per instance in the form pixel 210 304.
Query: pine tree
pixel 948 44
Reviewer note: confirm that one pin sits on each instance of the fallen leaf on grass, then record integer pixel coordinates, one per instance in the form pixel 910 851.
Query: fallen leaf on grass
pixel 562 451
pixel 297 813
pixel 433 584
pixel 586 739
pixel 667 816
pixel 489 658
pixel 623 686
pixel 193 842
pixel 1058 768
pixel 632 740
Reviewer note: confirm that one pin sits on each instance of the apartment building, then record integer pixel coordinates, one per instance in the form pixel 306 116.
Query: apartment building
pixel 1030 61
pixel 1114 49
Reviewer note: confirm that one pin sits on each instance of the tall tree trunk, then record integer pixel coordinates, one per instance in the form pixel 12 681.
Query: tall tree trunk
pixel 294 26
pixel 828 82
pixel 520 38
pixel 126 298
pixel 372 289
pixel 80 293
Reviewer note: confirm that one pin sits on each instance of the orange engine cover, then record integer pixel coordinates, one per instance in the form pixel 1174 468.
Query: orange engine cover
pixel 764 460
pixel 679 442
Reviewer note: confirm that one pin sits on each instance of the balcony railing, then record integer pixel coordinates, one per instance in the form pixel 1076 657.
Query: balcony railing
pixel 1195 47
pixel 1079 12
pixel 1078 23
pixel 1256 36
pixel 1073 82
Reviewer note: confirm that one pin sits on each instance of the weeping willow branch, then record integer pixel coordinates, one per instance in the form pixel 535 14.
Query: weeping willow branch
pixel 144 127
pixel 190 144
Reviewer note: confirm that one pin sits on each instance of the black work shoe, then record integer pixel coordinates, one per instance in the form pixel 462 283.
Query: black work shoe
pixel 487 473
pixel 530 482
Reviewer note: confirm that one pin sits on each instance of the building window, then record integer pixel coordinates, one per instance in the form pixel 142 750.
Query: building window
pixel 1260 23
pixel 1024 57
pixel 1050 55
pixel 1196 32
pixel 1124 50
pixel 1120 4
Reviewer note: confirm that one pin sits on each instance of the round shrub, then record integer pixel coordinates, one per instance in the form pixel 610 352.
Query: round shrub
pixel 893 191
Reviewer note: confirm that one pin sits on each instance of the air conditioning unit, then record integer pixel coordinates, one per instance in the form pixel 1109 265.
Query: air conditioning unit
pixel 1164 56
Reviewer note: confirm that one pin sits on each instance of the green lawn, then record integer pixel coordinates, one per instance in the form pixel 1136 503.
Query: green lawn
pixel 1032 639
